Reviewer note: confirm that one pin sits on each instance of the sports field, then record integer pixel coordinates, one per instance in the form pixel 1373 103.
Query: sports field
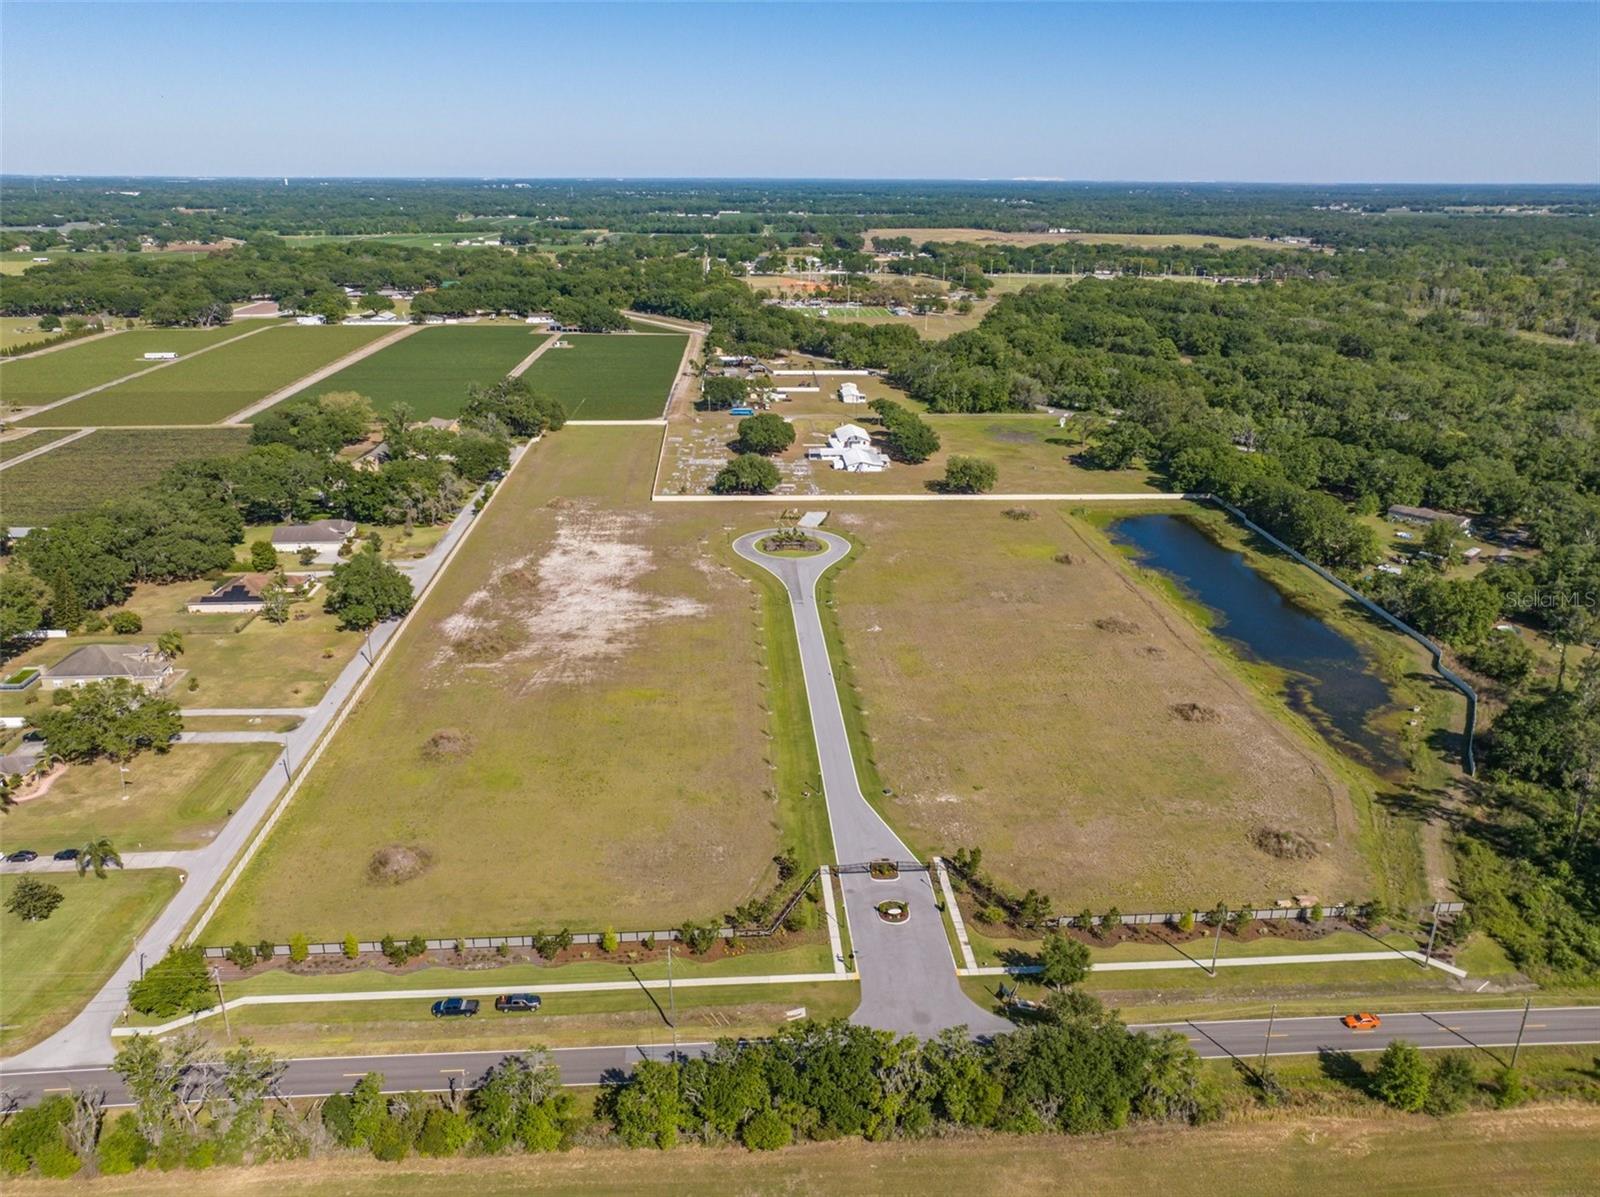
pixel 215 385
pixel 52 968
pixel 608 376
pixel 1064 718
pixel 483 778
pixel 27 381
pixel 178 799
pixel 103 465
pixel 430 370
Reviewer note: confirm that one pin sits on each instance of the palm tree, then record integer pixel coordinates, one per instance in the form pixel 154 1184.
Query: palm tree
pixel 170 645
pixel 97 854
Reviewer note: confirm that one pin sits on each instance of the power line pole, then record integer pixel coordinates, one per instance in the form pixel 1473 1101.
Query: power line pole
pixel 1433 929
pixel 1526 1006
pixel 1266 1044
pixel 672 1003
pixel 1216 945
pixel 216 975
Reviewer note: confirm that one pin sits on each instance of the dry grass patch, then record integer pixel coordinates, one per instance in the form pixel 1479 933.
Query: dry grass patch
pixel 1033 711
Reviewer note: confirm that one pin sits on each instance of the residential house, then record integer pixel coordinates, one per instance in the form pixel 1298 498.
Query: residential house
pixel 850 393
pixel 1427 515
pixel 141 664
pixel 850 448
pixel 325 537
pixel 242 595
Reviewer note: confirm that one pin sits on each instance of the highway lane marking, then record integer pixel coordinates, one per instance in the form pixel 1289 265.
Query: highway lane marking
pixel 462 1071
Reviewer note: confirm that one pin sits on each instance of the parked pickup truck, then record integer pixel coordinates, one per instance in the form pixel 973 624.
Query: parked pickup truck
pixel 514 1002
pixel 455 1007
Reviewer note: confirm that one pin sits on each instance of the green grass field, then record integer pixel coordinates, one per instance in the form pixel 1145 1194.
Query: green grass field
pixel 216 385
pixel 578 620
pixel 179 799
pixel 608 377
pixel 27 381
pixel 52 968
pixel 30 440
pixel 23 330
pixel 430 370
pixel 104 465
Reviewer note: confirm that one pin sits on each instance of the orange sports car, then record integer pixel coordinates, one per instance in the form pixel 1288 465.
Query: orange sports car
pixel 1363 1021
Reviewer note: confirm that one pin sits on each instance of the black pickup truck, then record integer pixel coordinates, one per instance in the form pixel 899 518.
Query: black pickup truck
pixel 455 1007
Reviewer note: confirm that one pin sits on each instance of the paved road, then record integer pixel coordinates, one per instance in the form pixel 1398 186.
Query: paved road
pixel 86 1040
pixel 316 1077
pixel 908 977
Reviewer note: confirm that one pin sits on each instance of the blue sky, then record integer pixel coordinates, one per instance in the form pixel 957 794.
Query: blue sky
pixel 1457 92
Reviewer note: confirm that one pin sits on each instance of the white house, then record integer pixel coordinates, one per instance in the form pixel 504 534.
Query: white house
pixel 324 537
pixel 850 448
pixel 850 393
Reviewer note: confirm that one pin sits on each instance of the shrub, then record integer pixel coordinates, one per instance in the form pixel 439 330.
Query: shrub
pixel 1315 914
pixel 122 1147
pixel 34 1138
pixel 766 1131
pixel 352 947
pixel 698 937
pixel 299 948
pixel 969 475
pixel 747 474
pixel 126 623
pixel 1509 1089
pixel 416 946
pixel 1454 1080
pixel 263 557
pixel 444 1133
pixel 266 950
pixel 1186 921
pixel 394 953
pixel 241 954
pixel 178 983
pixel 32 900
pixel 608 940
pixel 549 946
pixel 1111 919
pixel 1402 1079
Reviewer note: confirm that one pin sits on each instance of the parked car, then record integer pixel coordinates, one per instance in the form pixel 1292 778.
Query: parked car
pixel 455 1007
pixel 67 854
pixel 510 1003
pixel 1363 1021
pixel 22 856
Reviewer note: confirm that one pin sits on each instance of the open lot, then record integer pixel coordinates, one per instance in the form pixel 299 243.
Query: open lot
pixel 22 330
pixel 52 968
pixel 430 370
pixel 1137 240
pixel 610 377
pixel 214 386
pixel 27 381
pixel 106 464
pixel 177 799
pixel 1031 453
pixel 1543 1149
pixel 571 732
pixel 1035 709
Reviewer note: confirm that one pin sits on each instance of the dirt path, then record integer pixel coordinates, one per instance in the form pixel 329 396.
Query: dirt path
pixel 68 344
pixel 29 413
pixel 517 370
pixel 45 448
pixel 316 376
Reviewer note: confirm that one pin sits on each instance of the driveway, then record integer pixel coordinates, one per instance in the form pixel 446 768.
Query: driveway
pixel 908 975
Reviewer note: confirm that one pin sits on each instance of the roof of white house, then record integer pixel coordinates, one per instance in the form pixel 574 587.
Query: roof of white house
pixel 110 660
pixel 847 433
pixel 322 531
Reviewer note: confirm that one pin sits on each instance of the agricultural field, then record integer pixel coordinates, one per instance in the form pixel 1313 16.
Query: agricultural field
pixel 609 377
pixel 430 370
pixel 26 440
pixel 106 464
pixel 1032 454
pixel 172 800
pixel 1136 240
pixel 215 386
pixel 95 361
pixel 260 665
pixel 52 968
pixel 1064 718
pixel 578 620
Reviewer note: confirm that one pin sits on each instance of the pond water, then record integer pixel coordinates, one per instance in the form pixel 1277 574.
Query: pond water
pixel 1330 680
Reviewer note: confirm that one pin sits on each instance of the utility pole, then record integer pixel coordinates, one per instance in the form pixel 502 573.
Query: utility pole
pixel 216 975
pixel 1216 946
pixel 1266 1044
pixel 1433 929
pixel 1526 1006
pixel 672 1004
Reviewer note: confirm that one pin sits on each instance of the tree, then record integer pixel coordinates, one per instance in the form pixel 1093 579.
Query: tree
pixel 1065 961
pixel 1439 540
pixel 178 983
pixel 263 557
pixel 375 302
pixel 331 304
pixel 21 604
pixel 170 645
pixel 367 590
pixel 66 605
pixel 113 718
pixel 1402 1077
pixel 1453 1083
pixel 275 602
pixel 32 900
pixel 765 434
pixel 747 474
pixel 96 854
pixel 719 393
pixel 969 475
pixel 126 623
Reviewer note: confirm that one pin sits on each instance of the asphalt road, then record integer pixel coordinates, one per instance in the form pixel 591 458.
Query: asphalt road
pixel 908 978
pixel 1465 1029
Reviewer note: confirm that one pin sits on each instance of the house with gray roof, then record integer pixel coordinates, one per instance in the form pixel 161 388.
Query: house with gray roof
pixel 141 664
pixel 323 537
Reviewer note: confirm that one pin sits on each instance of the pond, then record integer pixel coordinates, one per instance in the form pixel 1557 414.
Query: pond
pixel 1329 679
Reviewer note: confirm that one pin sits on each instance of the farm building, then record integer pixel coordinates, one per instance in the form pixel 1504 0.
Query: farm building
pixel 139 663
pixel 242 595
pixel 1427 515
pixel 324 536
pixel 850 393
pixel 850 448
pixel 161 356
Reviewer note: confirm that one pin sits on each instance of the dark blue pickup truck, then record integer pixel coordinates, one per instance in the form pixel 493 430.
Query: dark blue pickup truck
pixel 455 1007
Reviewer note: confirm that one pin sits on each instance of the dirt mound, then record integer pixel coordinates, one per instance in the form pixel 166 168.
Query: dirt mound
pixel 561 503
pixel 1284 844
pixel 447 744
pixel 1193 712
pixel 1020 513
pixel 1116 624
pixel 398 863
pixel 1065 559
